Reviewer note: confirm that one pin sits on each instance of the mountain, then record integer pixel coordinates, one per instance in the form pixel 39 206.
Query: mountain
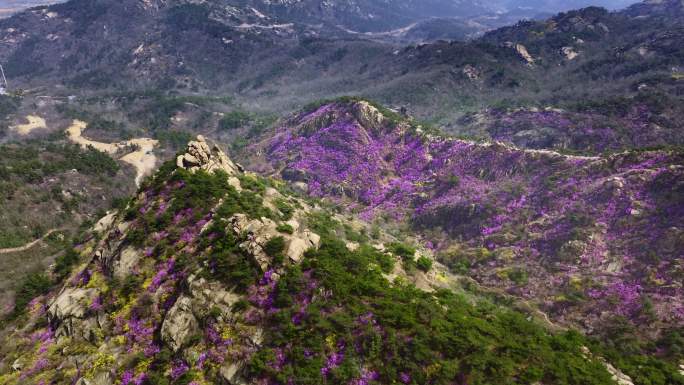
pixel 367 15
pixel 597 71
pixel 563 232
pixel 211 275
pixel 10 7
pixel 508 211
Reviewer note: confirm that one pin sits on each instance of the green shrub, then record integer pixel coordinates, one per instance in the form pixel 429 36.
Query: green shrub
pixel 130 285
pixel 65 262
pixel 424 264
pixel 395 328
pixel 404 251
pixel 234 119
pixel 175 139
pixel 285 209
pixel 519 276
pixel 285 228
pixel 32 286
pixel 275 246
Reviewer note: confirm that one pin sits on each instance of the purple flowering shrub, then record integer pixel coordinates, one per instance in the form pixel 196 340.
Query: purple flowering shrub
pixel 565 219
pixel 170 224
pixel 595 127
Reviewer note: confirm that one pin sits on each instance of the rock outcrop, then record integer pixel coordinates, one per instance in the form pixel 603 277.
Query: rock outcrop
pixel 569 53
pixel 201 155
pixel 68 313
pixel 259 231
pixel 522 52
pixel 179 324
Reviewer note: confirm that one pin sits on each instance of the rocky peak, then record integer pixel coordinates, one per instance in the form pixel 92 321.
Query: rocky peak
pixel 200 155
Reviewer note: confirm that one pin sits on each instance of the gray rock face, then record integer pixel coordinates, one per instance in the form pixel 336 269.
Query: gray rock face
pixel 522 52
pixel 179 324
pixel 68 312
pixel 368 115
pixel 299 245
pixel 259 232
pixel 211 295
pixel 569 53
pixel 201 156
pixel 230 373
pixel 128 259
pixel 105 223
pixel 102 378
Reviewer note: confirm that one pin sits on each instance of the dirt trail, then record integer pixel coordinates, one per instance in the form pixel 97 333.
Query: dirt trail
pixel 34 122
pixel 143 158
pixel 28 245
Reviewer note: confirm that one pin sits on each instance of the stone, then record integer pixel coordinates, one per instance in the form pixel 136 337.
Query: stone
pixel 201 156
pixel 128 259
pixel 619 377
pixel 235 182
pixel 296 249
pixel 369 116
pixel 67 313
pixel 302 242
pixel 103 378
pixel 180 324
pixel 471 72
pixel 300 187
pixel 258 233
pixel 230 371
pixel 522 51
pixel 569 53
pixel 313 238
pixel 104 223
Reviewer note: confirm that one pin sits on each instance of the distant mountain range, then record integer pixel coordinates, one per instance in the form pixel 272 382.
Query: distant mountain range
pixel 10 7
pixel 277 57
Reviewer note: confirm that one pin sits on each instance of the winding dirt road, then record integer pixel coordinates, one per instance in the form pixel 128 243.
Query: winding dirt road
pixel 142 159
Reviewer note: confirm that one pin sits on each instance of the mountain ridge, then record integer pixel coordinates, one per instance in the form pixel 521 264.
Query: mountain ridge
pixel 383 166
pixel 207 297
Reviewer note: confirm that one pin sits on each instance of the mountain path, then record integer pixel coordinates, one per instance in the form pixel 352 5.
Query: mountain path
pixel 30 244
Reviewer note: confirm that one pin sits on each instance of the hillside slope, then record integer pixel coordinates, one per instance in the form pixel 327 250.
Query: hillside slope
pixel 565 232
pixel 211 277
